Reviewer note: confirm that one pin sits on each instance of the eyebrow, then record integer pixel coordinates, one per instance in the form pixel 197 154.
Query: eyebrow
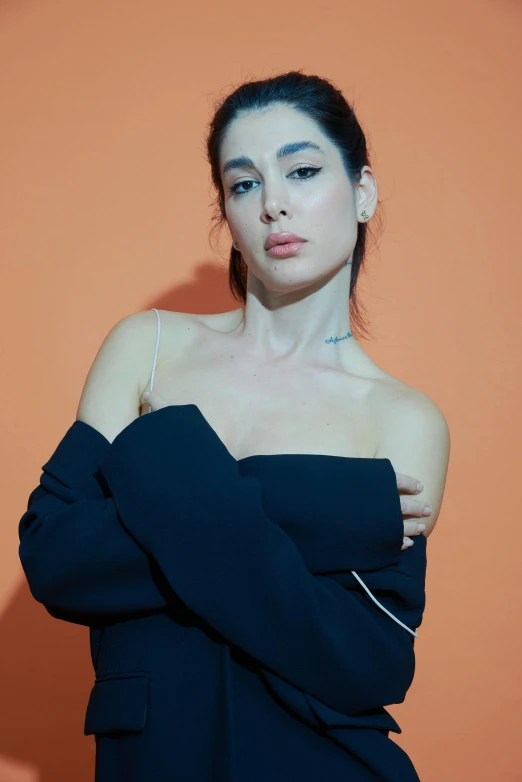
pixel 287 149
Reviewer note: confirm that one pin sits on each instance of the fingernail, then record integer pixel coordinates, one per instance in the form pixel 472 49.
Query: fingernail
pixel 420 487
pixel 146 394
pixel 421 527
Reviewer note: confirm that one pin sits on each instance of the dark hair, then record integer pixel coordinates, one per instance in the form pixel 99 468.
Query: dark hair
pixel 321 101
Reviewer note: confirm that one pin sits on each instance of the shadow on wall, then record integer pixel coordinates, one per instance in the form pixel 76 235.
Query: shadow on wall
pixel 46 680
pixel 46 667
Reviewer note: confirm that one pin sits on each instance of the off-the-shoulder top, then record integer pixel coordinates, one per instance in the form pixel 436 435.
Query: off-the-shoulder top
pixel 299 466
pixel 249 619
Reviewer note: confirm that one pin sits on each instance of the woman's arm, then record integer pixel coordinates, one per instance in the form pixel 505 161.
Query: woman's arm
pixel 80 562
pixel 85 567
pixel 204 525
pixel 78 559
pixel 415 437
pixel 209 543
pixel 92 541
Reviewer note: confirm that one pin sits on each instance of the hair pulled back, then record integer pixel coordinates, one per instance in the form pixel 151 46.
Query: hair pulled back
pixel 319 100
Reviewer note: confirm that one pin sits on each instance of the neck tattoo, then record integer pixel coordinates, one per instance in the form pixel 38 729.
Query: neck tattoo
pixel 338 339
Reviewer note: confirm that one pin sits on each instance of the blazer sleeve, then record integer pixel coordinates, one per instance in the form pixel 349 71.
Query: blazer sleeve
pixel 78 559
pixel 82 564
pixel 204 525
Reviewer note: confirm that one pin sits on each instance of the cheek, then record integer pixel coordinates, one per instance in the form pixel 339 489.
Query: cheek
pixel 239 219
pixel 332 227
pixel 331 214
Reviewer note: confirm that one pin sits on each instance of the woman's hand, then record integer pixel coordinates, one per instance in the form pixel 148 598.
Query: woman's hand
pixel 405 483
pixel 411 507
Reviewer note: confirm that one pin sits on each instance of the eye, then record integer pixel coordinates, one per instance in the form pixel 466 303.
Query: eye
pixel 234 188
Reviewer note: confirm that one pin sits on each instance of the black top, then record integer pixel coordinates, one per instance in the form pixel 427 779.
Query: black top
pixel 230 639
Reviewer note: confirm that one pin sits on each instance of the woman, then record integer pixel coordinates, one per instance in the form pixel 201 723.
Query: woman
pixel 241 555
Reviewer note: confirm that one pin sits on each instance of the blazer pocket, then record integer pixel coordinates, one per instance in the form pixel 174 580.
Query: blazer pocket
pixel 118 703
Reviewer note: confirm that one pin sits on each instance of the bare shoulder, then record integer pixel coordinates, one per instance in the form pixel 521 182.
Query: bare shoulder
pixel 396 396
pixel 111 396
pixel 178 332
pixel 415 437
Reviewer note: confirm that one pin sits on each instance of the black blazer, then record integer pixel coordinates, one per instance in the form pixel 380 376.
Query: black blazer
pixel 230 636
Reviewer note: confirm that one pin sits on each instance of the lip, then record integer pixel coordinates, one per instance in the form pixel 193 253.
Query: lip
pixel 282 238
pixel 285 250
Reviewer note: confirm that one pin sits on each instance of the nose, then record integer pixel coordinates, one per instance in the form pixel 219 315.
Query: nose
pixel 276 202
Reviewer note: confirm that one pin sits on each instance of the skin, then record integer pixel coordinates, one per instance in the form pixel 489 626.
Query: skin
pixel 297 303
pixel 294 304
pixel 406 484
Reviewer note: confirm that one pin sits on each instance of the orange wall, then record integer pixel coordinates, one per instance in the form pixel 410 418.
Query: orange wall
pixel 104 199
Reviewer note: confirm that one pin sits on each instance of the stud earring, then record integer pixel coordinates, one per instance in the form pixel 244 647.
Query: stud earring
pixel 363 214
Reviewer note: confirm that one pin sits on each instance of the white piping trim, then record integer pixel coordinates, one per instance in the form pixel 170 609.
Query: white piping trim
pixel 413 632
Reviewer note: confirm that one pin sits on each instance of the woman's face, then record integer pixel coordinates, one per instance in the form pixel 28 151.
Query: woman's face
pixel 272 194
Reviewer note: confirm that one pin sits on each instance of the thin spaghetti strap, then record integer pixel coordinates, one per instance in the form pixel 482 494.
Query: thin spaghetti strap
pixel 155 352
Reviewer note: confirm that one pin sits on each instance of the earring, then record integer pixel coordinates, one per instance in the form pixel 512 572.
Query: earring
pixel 363 214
